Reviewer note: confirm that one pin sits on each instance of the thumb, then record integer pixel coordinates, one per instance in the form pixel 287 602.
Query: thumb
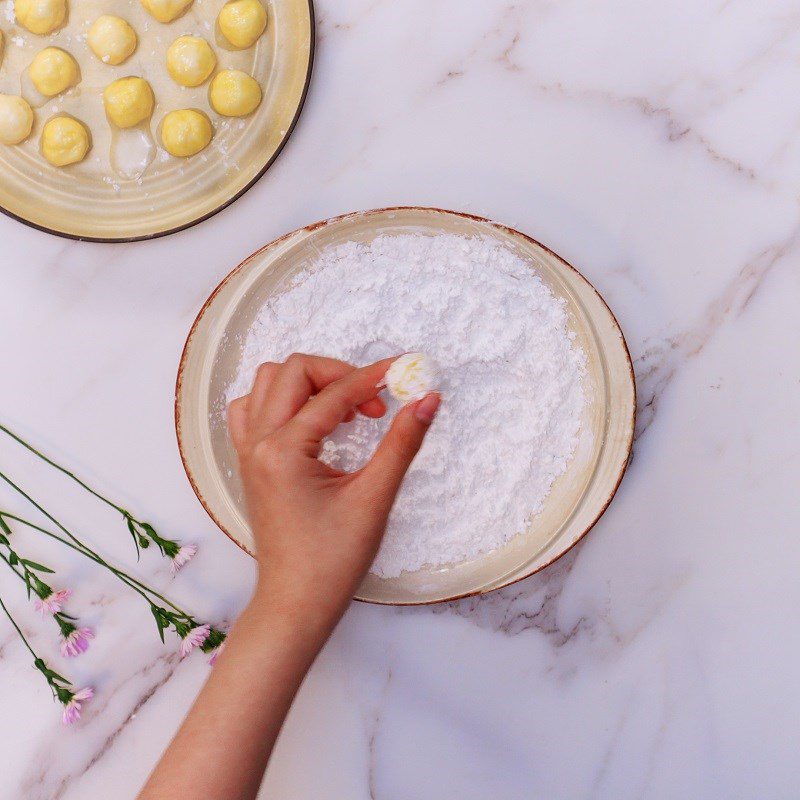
pixel 387 467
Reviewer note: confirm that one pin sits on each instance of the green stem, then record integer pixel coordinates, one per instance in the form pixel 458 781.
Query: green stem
pixel 12 567
pixel 19 631
pixel 124 576
pixel 77 545
pixel 66 472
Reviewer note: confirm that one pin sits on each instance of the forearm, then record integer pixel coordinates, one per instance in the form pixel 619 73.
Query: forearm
pixel 223 746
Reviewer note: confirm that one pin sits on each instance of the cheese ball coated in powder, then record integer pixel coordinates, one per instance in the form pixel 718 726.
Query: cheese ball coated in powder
pixel 16 119
pixel 40 16
pixel 53 71
pixel 112 39
pixel 234 93
pixel 241 22
pixel 65 141
pixel 128 101
pixel 190 60
pixel 411 377
pixel 186 132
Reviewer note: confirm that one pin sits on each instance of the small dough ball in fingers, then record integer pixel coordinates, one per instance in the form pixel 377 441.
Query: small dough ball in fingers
pixel 40 16
pixel 411 377
pixel 53 71
pixel 190 60
pixel 186 132
pixel 166 10
pixel 112 39
pixel 241 22
pixel 65 141
pixel 128 101
pixel 234 93
pixel 16 119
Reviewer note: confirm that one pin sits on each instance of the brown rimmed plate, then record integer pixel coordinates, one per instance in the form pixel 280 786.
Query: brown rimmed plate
pixel 578 498
pixel 89 201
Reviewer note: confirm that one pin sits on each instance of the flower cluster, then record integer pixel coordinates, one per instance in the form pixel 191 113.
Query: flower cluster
pixel 50 603
pixel 192 634
pixel 144 533
pixel 65 693
pixel 74 638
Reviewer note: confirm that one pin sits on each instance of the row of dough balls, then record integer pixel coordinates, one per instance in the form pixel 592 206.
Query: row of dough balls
pixel 129 102
pixel 241 22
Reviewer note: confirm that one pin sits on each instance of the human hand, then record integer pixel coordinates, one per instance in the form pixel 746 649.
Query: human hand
pixel 317 529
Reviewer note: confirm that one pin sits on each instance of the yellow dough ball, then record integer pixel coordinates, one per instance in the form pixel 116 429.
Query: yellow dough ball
pixel 53 71
pixel 186 132
pixel 128 101
pixel 166 10
pixel 112 39
pixel 234 93
pixel 40 16
pixel 16 119
pixel 65 141
pixel 190 60
pixel 241 22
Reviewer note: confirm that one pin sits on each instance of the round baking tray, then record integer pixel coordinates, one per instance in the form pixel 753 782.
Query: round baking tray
pixel 577 499
pixel 87 201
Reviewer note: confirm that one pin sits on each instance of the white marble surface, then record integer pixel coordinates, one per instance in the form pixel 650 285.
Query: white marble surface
pixel 656 146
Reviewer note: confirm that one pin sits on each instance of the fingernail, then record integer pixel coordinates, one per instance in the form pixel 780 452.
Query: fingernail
pixel 427 407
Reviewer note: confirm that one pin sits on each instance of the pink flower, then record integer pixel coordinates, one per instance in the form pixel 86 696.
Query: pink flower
pixel 213 659
pixel 53 603
pixel 194 638
pixel 76 642
pixel 72 709
pixel 186 553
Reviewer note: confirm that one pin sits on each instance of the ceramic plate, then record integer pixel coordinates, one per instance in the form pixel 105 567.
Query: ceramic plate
pixel 89 200
pixel 578 498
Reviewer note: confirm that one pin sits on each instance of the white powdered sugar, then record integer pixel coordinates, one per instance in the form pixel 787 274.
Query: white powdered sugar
pixel 511 381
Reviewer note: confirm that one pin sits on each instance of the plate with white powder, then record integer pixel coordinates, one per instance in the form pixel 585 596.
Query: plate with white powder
pixel 536 422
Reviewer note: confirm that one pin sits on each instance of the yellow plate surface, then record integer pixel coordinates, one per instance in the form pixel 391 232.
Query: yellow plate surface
pixel 577 500
pixel 87 200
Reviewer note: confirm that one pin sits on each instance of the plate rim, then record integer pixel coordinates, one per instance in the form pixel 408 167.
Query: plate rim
pixel 146 237
pixel 630 427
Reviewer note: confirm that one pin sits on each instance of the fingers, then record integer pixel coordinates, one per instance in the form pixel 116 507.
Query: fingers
pixel 265 374
pixel 281 390
pixel 290 386
pixel 237 422
pixel 375 408
pixel 322 413
pixel 387 468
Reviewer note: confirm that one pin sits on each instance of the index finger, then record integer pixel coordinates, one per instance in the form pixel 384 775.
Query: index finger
pixel 322 413
pixel 288 386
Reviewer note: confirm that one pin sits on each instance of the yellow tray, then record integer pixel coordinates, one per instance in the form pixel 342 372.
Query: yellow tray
pixel 87 201
pixel 578 498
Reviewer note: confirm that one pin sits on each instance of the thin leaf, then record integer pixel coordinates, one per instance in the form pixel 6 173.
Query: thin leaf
pixel 156 611
pixel 38 567
pixel 132 531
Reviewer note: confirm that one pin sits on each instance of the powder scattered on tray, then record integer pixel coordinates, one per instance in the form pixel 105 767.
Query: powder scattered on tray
pixel 511 379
